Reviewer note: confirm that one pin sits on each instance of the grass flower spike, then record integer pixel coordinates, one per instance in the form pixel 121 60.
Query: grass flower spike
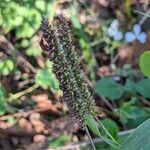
pixel 57 43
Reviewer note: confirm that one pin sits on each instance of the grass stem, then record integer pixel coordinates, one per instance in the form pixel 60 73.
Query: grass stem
pixel 89 136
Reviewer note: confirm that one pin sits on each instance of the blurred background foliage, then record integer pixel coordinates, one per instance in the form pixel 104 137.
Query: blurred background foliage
pixel 111 67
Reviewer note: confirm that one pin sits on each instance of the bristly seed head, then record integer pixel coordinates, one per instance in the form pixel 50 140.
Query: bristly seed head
pixel 57 43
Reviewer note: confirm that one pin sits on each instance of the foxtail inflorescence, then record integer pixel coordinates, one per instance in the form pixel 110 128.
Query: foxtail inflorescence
pixel 57 43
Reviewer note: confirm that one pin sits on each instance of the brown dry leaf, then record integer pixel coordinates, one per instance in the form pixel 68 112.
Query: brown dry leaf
pixel 17 131
pixel 15 141
pixel 44 104
pixel 3 125
pixel 83 18
pixel 34 124
pixel 43 101
pixel 39 138
pixel 34 116
pixel 25 140
pixel 40 142
pixel 63 124
pixel 104 3
pixel 37 123
pixel 22 122
pixel 39 129
pixel 29 126
pixel 133 2
pixel 40 97
pixel 104 71
pixel 125 53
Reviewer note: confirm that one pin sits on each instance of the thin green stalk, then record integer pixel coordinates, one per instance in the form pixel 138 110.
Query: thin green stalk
pixel 142 13
pixel 92 123
pixel 19 94
pixel 144 18
pixel 96 42
pixel 89 136
pixel 112 50
pixel 90 11
pixel 128 7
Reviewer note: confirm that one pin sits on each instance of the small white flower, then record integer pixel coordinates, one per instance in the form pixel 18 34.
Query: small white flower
pixel 136 34
pixel 113 30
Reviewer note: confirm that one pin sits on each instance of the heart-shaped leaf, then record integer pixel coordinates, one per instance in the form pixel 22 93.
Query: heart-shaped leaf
pixel 145 63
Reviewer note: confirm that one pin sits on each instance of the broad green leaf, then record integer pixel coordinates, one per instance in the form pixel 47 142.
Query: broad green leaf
pixel 130 86
pixel 49 64
pixel 25 30
pixel 109 88
pixel 59 141
pixel 31 23
pixel 11 15
pixel 11 120
pixel 40 4
pixel 127 110
pixel 139 139
pixel 33 51
pixel 25 43
pixel 46 78
pixel 6 66
pixel 138 115
pixel 143 87
pixel 145 63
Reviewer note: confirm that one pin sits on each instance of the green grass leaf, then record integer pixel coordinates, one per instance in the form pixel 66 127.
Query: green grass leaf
pixel 139 138
pixel 111 126
pixel 2 102
pixel 91 123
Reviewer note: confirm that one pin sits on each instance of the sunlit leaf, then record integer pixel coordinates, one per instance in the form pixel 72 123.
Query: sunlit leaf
pixel 145 63
pixel 59 141
pixel 46 78
pixel 6 66
pixel 40 4
pixel 33 51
